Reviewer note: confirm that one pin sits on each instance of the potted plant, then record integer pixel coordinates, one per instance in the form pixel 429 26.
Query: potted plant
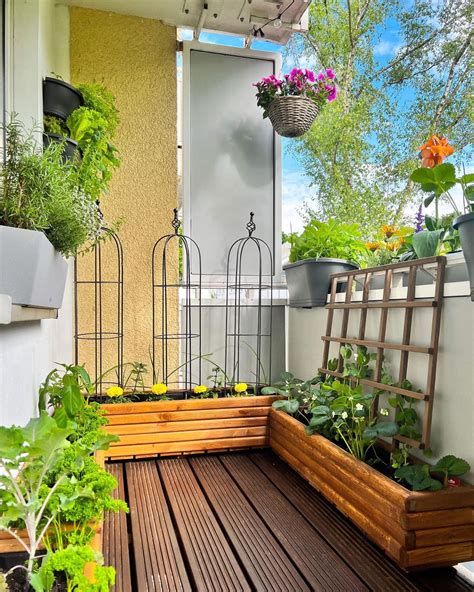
pixel 53 490
pixel 437 178
pixel 292 104
pixel 323 248
pixel 329 431
pixel 60 98
pixel 55 131
pixel 43 218
pixel 157 419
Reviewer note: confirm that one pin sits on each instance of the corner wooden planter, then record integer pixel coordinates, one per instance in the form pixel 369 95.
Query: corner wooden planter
pixel 416 529
pixel 187 426
pixel 10 545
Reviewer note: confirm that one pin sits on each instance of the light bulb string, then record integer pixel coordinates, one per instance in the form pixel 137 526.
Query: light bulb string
pixel 276 18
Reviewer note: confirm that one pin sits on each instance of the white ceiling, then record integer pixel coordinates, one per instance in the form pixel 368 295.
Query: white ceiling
pixel 237 17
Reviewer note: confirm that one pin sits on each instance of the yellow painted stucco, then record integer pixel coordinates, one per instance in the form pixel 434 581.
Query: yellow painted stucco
pixel 135 58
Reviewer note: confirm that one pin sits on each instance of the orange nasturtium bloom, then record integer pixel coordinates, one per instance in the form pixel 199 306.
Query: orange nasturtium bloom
pixel 435 151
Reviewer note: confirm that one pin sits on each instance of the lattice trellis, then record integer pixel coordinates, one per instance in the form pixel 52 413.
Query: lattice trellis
pixel 405 347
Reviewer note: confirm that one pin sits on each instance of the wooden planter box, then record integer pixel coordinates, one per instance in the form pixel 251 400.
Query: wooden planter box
pixel 186 426
pixel 10 545
pixel 416 529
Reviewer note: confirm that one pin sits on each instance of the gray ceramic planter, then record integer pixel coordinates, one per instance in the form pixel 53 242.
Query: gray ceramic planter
pixel 465 225
pixel 32 272
pixel 309 280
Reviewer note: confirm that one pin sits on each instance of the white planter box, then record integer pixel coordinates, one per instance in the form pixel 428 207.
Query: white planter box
pixel 32 272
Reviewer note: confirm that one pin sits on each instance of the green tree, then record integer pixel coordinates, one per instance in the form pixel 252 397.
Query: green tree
pixel 361 150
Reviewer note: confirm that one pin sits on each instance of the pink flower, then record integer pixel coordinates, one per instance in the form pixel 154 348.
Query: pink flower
pixel 309 75
pixel 321 76
pixel 330 74
pixel 332 92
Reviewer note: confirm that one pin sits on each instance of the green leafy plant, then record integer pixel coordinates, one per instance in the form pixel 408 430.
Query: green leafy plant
pixel 27 455
pixel 296 393
pixel 38 191
pixel 328 239
pixel 69 564
pixel 423 476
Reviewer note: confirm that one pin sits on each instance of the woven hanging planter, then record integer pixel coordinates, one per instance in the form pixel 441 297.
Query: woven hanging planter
pixel 292 116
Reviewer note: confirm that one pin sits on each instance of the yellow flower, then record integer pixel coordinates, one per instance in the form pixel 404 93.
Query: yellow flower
pixel 240 387
pixel 394 245
pixel 159 389
pixel 199 390
pixel 114 391
pixel 388 230
pixel 373 246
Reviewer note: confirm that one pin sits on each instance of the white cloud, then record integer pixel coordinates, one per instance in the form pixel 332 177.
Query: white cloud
pixel 295 191
pixel 388 48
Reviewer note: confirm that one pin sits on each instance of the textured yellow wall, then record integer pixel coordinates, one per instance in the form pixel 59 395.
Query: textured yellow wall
pixel 136 59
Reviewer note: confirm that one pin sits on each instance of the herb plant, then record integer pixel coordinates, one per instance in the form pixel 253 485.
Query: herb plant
pixel 38 191
pixel 328 239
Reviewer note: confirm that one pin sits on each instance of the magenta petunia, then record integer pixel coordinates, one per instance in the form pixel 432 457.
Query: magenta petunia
pixel 330 74
pixel 309 75
pixel 321 76
pixel 332 92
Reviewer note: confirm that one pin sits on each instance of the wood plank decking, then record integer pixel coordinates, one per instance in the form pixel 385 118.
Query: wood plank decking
pixel 243 522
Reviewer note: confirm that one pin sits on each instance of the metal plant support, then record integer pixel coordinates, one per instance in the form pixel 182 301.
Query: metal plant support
pixel 244 295
pixel 172 294
pixel 107 310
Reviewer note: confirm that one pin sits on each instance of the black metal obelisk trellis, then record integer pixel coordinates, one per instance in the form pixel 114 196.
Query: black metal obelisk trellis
pixel 103 325
pixel 175 293
pixel 249 262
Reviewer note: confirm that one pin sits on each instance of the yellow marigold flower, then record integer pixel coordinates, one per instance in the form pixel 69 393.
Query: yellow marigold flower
pixel 388 230
pixel 159 389
pixel 240 387
pixel 394 245
pixel 114 391
pixel 200 389
pixel 373 246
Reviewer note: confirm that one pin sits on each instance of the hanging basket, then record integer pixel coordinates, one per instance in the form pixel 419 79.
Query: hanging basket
pixel 292 116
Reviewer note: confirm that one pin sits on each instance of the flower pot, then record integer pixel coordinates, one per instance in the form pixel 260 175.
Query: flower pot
pixel 416 529
pixel 32 272
pixel 152 428
pixel 292 116
pixel 465 225
pixel 70 146
pixel 309 280
pixel 60 98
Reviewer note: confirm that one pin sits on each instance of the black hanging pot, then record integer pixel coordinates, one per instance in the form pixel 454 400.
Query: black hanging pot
pixel 70 150
pixel 292 116
pixel 60 98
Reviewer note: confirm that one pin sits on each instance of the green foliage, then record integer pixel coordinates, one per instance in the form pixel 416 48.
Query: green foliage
pixel 93 127
pixel 328 239
pixel 70 563
pixel 40 192
pixel 54 125
pixel 365 143
pixel 420 476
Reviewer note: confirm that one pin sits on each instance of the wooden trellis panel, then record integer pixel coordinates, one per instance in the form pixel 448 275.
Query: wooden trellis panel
pixel 405 347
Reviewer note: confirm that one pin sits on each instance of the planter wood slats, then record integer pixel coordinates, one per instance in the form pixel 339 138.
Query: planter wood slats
pixel 189 425
pixel 10 545
pixel 416 529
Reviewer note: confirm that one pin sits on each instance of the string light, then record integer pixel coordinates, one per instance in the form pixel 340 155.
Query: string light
pixel 277 22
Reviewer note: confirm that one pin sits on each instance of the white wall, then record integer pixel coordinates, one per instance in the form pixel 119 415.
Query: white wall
pixel 38 45
pixel 453 415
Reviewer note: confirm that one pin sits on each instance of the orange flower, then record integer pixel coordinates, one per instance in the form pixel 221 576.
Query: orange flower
pixel 388 230
pixel 373 246
pixel 394 245
pixel 435 151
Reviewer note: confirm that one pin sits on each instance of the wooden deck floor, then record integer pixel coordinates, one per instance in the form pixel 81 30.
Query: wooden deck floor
pixel 242 522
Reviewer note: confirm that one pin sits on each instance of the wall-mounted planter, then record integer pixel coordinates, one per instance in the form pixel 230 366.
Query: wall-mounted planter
pixel 465 225
pixel 416 529
pixel 193 425
pixel 32 272
pixel 70 146
pixel 60 98
pixel 309 280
